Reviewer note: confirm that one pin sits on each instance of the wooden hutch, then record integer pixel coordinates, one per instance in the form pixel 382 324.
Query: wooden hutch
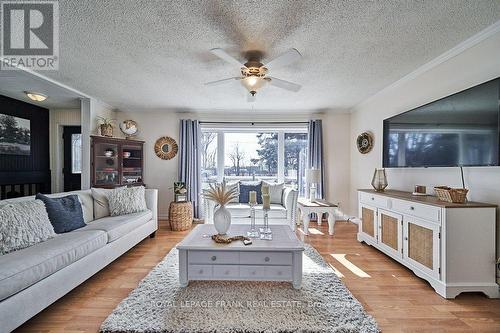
pixel 116 162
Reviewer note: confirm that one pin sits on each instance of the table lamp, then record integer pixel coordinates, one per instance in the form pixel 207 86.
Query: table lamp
pixel 313 177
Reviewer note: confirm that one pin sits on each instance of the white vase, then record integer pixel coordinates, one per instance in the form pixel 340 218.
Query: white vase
pixel 222 220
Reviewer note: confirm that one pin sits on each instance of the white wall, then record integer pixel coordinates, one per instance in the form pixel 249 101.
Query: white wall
pixel 58 119
pixel 162 174
pixel 473 66
pixel 336 150
pixel 91 109
pixel 158 173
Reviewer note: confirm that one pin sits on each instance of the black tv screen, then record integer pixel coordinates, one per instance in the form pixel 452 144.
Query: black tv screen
pixel 458 130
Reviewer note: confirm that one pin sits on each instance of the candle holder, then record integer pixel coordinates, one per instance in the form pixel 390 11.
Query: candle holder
pixel 265 232
pixel 253 233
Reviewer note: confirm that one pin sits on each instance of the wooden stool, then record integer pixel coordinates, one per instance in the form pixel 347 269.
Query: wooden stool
pixel 180 215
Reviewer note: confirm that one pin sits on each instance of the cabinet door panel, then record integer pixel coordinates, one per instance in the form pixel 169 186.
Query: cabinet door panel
pixel 368 221
pixel 422 247
pixel 390 233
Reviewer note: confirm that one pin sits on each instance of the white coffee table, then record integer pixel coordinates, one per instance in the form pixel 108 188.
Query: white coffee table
pixel 280 259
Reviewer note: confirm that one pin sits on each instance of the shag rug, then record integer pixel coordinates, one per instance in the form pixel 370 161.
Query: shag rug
pixel 159 304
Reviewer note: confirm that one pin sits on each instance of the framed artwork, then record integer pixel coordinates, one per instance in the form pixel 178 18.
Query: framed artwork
pixel 15 135
pixel 180 191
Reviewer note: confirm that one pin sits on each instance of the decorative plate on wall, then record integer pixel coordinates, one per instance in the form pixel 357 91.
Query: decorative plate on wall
pixel 364 142
pixel 166 148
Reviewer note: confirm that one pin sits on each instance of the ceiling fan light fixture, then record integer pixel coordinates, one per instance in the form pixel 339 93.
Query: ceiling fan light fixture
pixel 34 96
pixel 253 83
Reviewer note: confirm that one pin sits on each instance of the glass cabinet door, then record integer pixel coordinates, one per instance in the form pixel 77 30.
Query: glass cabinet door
pixel 132 170
pixel 106 164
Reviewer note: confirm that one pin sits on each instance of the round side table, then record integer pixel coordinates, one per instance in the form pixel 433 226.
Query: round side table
pixel 180 215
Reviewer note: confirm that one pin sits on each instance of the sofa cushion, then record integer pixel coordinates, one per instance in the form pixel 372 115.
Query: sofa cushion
pixel 85 197
pixel 275 192
pixel 65 213
pixel 123 201
pixel 23 224
pixel 240 210
pixel 246 187
pixel 21 269
pixel 118 226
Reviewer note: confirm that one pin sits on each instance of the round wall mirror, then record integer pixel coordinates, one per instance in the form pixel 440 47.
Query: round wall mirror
pixel 166 148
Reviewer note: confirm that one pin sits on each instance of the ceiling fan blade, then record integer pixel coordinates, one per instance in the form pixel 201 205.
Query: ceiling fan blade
pixel 251 98
pixel 223 81
pixel 284 84
pixel 226 57
pixel 286 58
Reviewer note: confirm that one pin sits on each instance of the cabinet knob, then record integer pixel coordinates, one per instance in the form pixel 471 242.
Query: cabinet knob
pixel 406 238
pixel 213 258
pixel 373 198
pixel 412 208
pixel 266 259
pixel 200 271
pixel 227 273
pixel 253 273
pixel 279 273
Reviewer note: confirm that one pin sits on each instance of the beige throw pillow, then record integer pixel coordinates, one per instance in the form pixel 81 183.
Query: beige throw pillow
pixel 275 192
pixel 23 224
pixel 128 200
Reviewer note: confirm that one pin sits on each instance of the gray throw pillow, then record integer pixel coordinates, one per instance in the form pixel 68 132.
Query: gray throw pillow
pixel 128 200
pixel 101 203
pixel 23 224
pixel 275 192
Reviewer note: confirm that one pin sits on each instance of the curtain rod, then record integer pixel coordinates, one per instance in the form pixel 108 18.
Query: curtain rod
pixel 255 122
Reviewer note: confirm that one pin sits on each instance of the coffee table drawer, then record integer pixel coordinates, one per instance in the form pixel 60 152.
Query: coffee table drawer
pixel 226 271
pixel 278 272
pixel 265 258
pixel 252 272
pixel 200 271
pixel 213 257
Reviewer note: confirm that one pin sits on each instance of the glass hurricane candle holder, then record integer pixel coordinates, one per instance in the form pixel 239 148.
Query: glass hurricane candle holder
pixel 266 232
pixel 253 233
pixel 379 180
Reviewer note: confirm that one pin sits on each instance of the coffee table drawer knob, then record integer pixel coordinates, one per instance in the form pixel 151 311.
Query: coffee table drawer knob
pixel 266 259
pixel 227 273
pixel 213 258
pixel 253 272
pixel 200 271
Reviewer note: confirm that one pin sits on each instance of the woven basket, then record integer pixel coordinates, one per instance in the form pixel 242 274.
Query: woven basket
pixel 180 215
pixel 448 194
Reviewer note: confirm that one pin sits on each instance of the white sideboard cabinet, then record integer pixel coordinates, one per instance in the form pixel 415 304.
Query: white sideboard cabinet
pixel 452 246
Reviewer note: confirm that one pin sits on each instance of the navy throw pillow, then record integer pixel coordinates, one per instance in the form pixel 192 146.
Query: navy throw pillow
pixel 65 213
pixel 246 187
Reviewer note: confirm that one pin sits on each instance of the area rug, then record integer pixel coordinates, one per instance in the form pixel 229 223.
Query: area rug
pixel 159 304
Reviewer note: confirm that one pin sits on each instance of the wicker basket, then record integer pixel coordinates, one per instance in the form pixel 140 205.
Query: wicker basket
pixel 180 215
pixel 448 194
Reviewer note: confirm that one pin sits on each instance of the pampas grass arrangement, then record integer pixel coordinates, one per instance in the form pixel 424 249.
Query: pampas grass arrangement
pixel 221 194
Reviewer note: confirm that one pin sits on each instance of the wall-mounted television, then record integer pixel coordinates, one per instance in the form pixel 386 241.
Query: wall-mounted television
pixel 459 130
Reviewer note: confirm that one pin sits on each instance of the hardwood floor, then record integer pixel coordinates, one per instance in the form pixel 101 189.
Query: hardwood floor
pixel 399 301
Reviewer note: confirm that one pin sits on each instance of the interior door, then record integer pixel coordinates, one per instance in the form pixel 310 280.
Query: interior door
pixel 422 245
pixel 368 221
pixel 72 170
pixel 390 233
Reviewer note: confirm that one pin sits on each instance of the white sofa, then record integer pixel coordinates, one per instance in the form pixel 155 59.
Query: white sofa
pixel 285 213
pixel 33 278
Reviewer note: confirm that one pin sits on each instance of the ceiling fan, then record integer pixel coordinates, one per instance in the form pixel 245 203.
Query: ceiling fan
pixel 254 74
